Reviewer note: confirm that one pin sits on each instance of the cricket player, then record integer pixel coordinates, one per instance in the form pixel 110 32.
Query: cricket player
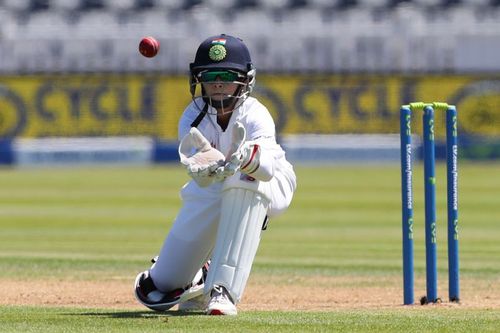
pixel 240 179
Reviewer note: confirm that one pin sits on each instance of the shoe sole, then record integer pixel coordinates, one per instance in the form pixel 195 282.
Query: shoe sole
pixel 217 312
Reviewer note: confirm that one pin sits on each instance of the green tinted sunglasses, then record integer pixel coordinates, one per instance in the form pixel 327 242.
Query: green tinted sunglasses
pixel 224 76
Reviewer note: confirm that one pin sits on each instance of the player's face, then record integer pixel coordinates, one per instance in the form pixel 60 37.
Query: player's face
pixel 220 84
pixel 219 90
pixel 222 89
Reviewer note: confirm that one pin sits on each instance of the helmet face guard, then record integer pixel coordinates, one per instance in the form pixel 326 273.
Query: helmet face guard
pixel 223 59
pixel 244 85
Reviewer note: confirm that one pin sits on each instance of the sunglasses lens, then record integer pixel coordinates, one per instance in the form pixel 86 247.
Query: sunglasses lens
pixel 224 76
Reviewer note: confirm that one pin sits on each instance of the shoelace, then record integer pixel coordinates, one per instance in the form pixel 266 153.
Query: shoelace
pixel 219 294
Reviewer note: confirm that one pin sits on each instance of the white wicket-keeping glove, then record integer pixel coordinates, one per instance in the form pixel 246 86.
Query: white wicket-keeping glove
pixel 232 162
pixel 243 156
pixel 199 157
pixel 249 157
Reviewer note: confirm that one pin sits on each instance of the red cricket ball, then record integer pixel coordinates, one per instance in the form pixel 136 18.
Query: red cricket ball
pixel 149 47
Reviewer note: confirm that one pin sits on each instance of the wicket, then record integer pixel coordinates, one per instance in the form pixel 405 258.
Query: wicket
pixel 430 200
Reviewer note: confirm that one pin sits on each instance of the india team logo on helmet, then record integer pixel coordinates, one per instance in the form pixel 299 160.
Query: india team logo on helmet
pixel 218 51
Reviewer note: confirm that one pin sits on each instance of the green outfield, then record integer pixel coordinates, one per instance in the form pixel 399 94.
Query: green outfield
pixel 72 241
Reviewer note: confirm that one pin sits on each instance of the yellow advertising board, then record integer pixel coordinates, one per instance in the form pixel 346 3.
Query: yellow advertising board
pixel 150 105
pixel 91 105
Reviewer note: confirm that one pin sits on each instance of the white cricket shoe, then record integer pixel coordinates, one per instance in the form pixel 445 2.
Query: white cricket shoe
pixel 221 303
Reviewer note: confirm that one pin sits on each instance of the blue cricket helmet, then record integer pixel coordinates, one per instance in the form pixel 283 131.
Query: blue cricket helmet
pixel 222 52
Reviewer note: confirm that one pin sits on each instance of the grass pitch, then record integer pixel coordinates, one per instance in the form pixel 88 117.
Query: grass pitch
pixel 78 227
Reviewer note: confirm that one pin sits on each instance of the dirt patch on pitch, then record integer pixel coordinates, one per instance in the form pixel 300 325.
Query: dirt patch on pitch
pixel 263 293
